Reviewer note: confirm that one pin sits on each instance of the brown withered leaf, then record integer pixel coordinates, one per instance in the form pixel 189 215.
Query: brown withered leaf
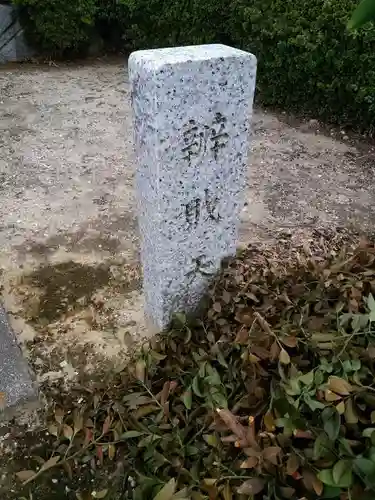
pixel 252 452
pixel 252 358
pixel 242 336
pixel 68 432
pixel 350 414
pixel 249 463
pixel 227 297
pixel 216 307
pixel 140 370
pixel 331 396
pixel 292 464
pixel 53 429
pixel 259 351
pixel 59 415
pixel 252 486
pixel 78 422
pixel 51 462
pixel 164 393
pixel 284 357
pixel 68 469
pixel 233 424
pixel 318 486
pixel 341 407
pixel 245 317
pixel 229 439
pixel 316 323
pixel 25 475
pixel 227 491
pixel 275 351
pixel 99 454
pixel 269 421
pixel 287 491
pixel 371 351
pixel 111 451
pixel 106 424
pixel 298 433
pixel 88 436
pixel 272 454
pixel 339 385
pixel 311 481
pixel 263 324
pixel 289 341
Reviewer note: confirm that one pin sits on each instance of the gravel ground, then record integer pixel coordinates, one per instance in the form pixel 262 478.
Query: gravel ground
pixel 68 230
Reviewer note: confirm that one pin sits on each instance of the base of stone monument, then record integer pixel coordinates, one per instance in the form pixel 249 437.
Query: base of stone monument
pixel 17 389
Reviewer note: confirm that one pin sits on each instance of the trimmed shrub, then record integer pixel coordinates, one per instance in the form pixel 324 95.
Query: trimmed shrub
pixel 158 23
pixel 112 18
pixel 58 27
pixel 308 61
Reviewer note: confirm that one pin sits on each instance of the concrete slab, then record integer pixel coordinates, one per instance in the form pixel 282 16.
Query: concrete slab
pixel 16 385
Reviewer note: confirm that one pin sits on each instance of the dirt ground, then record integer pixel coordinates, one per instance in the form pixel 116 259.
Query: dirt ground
pixel 68 238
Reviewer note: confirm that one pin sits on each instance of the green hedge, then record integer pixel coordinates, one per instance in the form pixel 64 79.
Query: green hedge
pixel 157 23
pixel 308 61
pixel 58 26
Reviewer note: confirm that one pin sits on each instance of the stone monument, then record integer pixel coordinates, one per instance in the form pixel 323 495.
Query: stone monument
pixel 16 385
pixel 192 109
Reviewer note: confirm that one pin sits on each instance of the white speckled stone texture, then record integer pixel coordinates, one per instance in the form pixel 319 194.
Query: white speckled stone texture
pixel 15 378
pixel 192 110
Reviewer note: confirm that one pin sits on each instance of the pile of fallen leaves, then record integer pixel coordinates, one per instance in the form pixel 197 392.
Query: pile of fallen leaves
pixel 269 395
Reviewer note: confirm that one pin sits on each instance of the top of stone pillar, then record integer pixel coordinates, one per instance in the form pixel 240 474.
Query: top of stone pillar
pixel 155 59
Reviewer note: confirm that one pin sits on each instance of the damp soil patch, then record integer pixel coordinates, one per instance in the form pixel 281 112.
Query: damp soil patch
pixel 65 287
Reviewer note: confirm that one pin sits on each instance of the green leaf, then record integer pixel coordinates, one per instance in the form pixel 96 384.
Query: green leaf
pixel 356 364
pixel 313 404
pixel 342 473
pixel 368 432
pixel 331 492
pixel 131 435
pixel 167 492
pixel 221 359
pixel 212 440
pixel 196 389
pixel 371 454
pixel 345 447
pixel 370 298
pixel 322 446
pixel 99 494
pixel 219 399
pixel 364 466
pixel 86 20
pixel 326 477
pixel 293 389
pixel 307 378
pixel 331 422
pixel 187 398
pixel 180 318
pixel 157 356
